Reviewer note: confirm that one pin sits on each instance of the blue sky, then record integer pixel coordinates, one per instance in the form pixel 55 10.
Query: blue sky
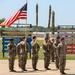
pixel 64 10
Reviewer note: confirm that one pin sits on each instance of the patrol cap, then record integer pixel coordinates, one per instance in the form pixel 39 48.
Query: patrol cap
pixel 52 39
pixel 11 39
pixel 58 37
pixel 34 37
pixel 62 38
pixel 46 38
pixel 29 34
pixel 23 38
pixel 47 35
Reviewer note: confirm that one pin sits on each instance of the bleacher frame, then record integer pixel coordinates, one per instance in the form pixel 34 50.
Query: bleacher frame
pixel 68 31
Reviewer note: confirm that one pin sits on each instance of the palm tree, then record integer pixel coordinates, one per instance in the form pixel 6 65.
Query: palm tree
pixel 53 21
pixel 49 17
pixel 36 15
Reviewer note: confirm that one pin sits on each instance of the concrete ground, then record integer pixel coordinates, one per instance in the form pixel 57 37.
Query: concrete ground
pixel 70 68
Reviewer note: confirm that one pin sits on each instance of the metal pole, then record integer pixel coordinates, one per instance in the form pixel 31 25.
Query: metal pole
pixel 26 0
pixel 18 23
pixel 3 54
pixel 27 4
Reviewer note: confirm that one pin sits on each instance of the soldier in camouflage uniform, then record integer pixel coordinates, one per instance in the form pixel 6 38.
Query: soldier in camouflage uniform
pixel 47 48
pixel 12 54
pixel 22 51
pixel 56 52
pixel 62 49
pixel 35 49
pixel 52 50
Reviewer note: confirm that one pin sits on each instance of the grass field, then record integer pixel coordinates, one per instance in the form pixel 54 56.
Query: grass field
pixel 69 56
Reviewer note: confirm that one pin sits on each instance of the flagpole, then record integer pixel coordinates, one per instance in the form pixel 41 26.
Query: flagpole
pixel 27 4
pixel 18 23
pixel 26 0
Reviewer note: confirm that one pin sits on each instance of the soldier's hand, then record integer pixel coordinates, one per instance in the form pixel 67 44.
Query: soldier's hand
pixel 18 56
pixel 11 50
pixel 15 54
pixel 26 50
pixel 47 50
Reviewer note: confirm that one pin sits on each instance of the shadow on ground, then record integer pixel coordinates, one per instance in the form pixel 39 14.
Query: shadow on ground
pixel 70 74
pixel 30 71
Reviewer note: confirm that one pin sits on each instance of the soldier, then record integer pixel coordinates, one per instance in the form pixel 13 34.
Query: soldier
pixel 28 40
pixel 35 49
pixel 46 48
pixel 56 52
pixel 52 50
pixel 12 54
pixel 62 49
pixel 22 51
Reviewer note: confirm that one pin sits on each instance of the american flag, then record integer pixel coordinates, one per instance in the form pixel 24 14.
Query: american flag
pixel 20 14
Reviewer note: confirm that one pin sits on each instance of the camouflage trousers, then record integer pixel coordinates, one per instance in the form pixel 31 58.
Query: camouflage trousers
pixel 34 60
pixel 23 61
pixel 52 56
pixel 62 64
pixel 11 62
pixel 57 61
pixel 46 60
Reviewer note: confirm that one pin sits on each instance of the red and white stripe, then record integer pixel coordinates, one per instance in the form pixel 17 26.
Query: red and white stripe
pixel 6 21
pixel 13 18
pixel 23 15
pixel 16 16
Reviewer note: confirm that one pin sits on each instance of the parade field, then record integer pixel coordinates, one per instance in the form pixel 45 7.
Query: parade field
pixel 69 56
pixel 31 45
pixel 70 68
pixel 70 65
